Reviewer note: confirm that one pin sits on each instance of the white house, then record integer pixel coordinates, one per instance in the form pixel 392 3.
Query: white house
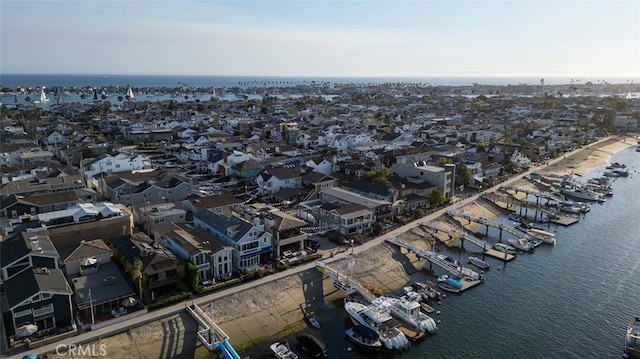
pixel 252 245
pixel 112 164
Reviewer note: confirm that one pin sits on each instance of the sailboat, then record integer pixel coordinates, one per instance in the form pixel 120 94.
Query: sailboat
pixel 43 96
pixel 130 93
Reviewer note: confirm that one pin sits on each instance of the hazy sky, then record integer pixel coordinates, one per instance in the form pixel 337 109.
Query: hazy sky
pixel 322 37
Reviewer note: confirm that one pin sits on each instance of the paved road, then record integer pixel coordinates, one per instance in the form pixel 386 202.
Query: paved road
pixel 174 309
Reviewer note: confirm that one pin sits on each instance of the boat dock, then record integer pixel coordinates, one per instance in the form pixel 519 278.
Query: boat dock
pixel 487 223
pixel 487 249
pixel 432 258
pixel 344 282
pixel 212 336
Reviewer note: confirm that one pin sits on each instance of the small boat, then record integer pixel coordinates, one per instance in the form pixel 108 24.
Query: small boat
pixel 632 339
pixel 448 287
pixel 364 337
pixel 312 321
pixel 504 248
pixel 479 263
pixel 311 346
pixel 281 350
pixel 446 279
pixel 522 244
pixel 426 307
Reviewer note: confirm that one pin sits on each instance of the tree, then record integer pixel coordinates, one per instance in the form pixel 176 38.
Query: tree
pixel 286 133
pixel 444 161
pixel 463 176
pixel 192 276
pixel 436 197
pixel 135 272
pixel 379 177
pixel 481 147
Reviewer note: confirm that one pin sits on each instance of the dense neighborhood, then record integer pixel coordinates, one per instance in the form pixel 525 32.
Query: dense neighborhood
pixel 109 210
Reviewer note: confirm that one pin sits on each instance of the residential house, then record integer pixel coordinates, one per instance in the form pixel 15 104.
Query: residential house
pixel 413 166
pixel 221 203
pixel 252 245
pixel 27 250
pixel 273 180
pixel 39 296
pixel 192 244
pixel 85 258
pixel 14 206
pixel 121 162
pixel 163 273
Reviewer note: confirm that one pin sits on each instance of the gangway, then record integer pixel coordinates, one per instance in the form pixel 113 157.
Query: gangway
pixel 212 336
pixel 433 258
pixel 488 223
pixel 342 281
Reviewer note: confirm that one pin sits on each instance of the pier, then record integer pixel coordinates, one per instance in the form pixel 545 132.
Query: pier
pixel 487 223
pixel 344 282
pixel 487 248
pixel 212 336
pixel 470 278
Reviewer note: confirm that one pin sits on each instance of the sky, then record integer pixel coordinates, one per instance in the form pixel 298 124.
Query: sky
pixel 325 38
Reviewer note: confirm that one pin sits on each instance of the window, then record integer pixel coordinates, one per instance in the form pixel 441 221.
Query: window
pixel 45 296
pixel 22 313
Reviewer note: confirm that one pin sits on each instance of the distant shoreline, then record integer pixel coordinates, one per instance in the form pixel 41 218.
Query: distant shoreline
pixel 80 80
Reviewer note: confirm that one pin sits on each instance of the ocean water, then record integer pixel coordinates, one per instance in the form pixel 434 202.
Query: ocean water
pixel 67 80
pixel 571 300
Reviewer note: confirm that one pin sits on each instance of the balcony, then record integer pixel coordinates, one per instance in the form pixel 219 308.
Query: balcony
pixel 165 281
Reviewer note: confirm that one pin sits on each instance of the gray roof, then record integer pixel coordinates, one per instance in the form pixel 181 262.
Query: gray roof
pixel 30 282
pixel 88 249
pixel 19 246
pixel 221 223
pixel 106 285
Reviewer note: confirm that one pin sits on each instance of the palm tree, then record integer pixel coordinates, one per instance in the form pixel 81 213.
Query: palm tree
pixel 135 271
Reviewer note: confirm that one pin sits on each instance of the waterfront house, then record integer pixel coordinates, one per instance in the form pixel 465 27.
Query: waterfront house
pixel 40 296
pixel 14 206
pixel 162 272
pixel 211 255
pixel 251 244
pixel 27 250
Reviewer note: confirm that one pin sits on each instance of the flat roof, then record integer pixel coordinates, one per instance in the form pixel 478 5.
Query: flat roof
pixel 106 285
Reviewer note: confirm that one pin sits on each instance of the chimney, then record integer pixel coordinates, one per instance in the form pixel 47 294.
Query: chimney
pixel 224 156
pixel 35 244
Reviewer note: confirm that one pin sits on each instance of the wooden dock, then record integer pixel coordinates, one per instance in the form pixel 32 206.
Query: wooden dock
pixel 486 247
pixel 564 220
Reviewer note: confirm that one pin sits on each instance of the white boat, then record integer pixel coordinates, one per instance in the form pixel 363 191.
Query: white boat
pixel 130 93
pixel 364 336
pixel 43 96
pixel 281 350
pixel 583 193
pixel 380 320
pixel 311 320
pixel 632 339
pixel 544 236
pixel 479 263
pixel 521 243
pixel 407 310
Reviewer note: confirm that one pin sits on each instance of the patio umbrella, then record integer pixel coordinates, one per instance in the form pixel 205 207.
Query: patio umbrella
pixel 129 302
pixel 30 356
pixel 88 262
pixel 26 330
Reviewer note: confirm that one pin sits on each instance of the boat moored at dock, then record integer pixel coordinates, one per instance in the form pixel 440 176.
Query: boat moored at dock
pixel 379 319
pixel 408 311
pixel 479 263
pixel 281 350
pixel 311 346
pixel 632 339
pixel 504 248
pixel 364 337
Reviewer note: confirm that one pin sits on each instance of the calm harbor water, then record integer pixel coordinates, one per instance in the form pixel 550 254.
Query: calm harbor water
pixel 571 300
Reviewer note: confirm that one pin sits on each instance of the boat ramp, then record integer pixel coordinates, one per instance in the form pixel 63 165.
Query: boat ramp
pixel 212 336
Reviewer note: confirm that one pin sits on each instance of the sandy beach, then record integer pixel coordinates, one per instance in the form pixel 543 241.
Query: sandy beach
pixel 273 310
